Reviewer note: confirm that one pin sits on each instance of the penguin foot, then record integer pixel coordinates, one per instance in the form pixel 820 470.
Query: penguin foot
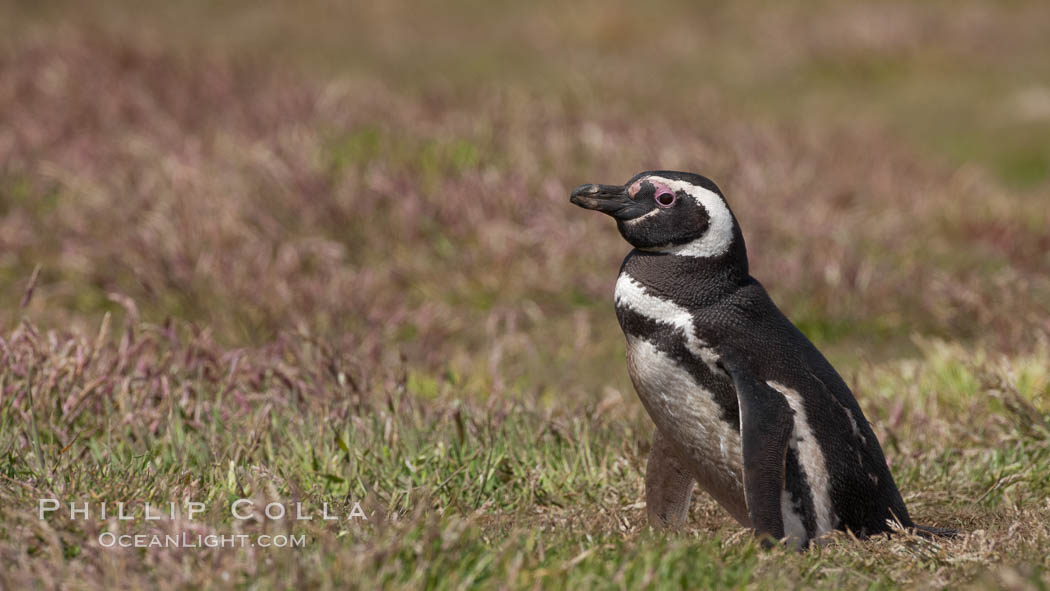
pixel 928 531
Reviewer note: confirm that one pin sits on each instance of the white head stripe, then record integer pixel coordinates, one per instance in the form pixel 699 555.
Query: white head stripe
pixel 633 221
pixel 719 235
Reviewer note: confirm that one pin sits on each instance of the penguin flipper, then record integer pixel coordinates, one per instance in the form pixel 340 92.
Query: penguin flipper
pixel 766 425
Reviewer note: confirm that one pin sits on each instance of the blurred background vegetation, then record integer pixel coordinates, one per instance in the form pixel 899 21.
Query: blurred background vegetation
pixel 963 80
pixel 910 138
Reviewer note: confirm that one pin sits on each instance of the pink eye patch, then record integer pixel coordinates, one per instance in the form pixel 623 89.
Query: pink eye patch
pixel 664 196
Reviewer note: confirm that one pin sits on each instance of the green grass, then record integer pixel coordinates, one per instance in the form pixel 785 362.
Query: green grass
pixel 462 492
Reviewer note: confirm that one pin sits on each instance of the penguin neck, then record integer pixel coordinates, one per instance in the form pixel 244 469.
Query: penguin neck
pixel 690 281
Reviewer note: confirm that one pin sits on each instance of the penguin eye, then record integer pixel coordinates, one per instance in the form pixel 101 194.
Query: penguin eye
pixel 665 198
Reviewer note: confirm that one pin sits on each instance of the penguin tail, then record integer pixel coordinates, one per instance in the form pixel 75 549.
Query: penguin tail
pixel 930 532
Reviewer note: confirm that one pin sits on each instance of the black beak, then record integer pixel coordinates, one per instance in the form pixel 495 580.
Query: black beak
pixel 610 199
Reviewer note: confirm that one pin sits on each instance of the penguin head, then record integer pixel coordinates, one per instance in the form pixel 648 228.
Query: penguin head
pixel 676 213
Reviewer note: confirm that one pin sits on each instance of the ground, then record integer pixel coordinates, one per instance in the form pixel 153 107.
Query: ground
pixel 309 253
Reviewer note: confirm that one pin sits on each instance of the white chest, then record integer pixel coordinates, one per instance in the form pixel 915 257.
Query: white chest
pixel 688 415
pixel 683 409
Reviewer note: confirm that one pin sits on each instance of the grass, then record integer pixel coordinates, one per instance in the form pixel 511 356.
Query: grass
pixel 461 491
pixel 342 269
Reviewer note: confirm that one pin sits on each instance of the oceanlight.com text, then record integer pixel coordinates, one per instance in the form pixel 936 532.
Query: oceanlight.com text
pixel 188 540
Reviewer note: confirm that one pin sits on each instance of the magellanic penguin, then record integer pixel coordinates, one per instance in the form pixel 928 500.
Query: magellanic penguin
pixel 744 404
